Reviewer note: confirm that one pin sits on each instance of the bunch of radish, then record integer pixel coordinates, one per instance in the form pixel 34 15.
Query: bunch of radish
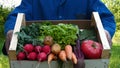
pixel 50 51
pixel 31 52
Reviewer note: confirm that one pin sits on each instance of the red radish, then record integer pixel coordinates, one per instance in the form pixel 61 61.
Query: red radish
pixel 42 56
pixel 28 48
pixel 21 56
pixel 38 49
pixel 32 56
pixel 46 49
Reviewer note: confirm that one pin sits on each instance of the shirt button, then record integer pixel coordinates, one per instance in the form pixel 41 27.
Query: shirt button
pixel 60 17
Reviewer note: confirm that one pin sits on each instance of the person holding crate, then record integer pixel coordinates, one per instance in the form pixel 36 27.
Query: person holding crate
pixel 60 10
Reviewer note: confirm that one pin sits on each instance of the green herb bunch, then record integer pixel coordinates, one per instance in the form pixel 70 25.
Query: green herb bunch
pixel 62 34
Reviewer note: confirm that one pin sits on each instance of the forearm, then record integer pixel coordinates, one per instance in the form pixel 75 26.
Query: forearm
pixel 25 7
pixel 106 16
pixel 10 23
pixel 109 25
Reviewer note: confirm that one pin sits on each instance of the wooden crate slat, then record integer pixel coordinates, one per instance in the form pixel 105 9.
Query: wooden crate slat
pixel 106 47
pixel 13 45
pixel 82 24
pixel 94 63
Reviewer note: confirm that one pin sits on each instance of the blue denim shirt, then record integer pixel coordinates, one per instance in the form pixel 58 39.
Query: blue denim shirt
pixel 62 10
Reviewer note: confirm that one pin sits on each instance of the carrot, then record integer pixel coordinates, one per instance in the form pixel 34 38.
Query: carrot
pixel 68 50
pixel 51 56
pixel 74 59
pixel 62 55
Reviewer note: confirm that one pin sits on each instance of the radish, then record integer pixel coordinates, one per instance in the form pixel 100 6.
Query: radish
pixel 42 56
pixel 38 49
pixel 46 49
pixel 28 48
pixel 21 56
pixel 32 56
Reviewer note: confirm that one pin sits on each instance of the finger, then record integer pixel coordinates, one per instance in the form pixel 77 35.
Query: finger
pixel 108 38
pixel 8 40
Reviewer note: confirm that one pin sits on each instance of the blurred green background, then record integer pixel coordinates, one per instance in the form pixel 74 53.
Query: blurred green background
pixel 113 5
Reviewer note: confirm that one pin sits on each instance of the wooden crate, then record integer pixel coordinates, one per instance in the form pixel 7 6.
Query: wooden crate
pixel 95 22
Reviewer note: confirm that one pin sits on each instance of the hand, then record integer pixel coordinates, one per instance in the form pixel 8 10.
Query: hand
pixel 8 39
pixel 108 37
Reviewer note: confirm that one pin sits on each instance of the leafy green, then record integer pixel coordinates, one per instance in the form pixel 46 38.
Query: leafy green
pixel 87 34
pixel 62 34
pixel 29 34
pixel 31 30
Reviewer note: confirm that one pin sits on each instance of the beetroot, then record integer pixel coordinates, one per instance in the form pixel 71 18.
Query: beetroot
pixel 42 56
pixel 38 49
pixel 32 56
pixel 28 48
pixel 21 56
pixel 46 49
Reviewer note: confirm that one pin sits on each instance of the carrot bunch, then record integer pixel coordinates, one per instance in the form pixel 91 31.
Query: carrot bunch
pixel 63 55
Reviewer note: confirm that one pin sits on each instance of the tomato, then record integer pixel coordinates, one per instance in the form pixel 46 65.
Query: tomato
pixel 91 49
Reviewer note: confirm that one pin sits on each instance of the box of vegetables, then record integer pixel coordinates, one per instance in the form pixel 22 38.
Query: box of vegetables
pixel 59 44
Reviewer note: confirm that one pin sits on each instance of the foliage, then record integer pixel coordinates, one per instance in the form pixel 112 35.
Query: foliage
pixel 114 62
pixel 1 44
pixel 116 38
pixel 4 61
pixel 3 16
pixel 113 5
